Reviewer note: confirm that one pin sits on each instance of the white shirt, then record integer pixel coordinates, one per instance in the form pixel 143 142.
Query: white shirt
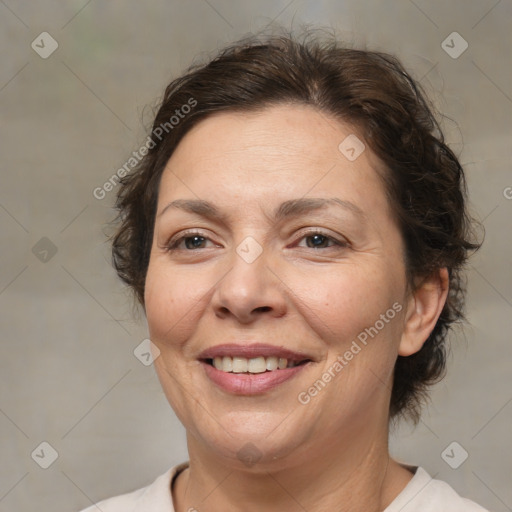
pixel 421 494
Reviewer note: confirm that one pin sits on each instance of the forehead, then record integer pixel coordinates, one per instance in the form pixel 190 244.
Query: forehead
pixel 281 132
pixel 280 152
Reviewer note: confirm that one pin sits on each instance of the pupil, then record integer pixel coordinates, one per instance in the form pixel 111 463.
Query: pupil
pixel 317 240
pixel 194 242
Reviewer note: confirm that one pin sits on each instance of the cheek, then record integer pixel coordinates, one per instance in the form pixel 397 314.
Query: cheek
pixel 341 303
pixel 173 303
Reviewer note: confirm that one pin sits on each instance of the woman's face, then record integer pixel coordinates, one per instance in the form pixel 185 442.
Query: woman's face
pixel 274 242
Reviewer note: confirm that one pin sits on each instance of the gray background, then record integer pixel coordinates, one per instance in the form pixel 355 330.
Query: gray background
pixel 68 371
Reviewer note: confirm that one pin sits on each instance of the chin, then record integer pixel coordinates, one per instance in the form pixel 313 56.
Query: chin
pixel 241 444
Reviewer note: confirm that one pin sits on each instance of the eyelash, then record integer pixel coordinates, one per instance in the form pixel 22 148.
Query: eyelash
pixel 334 241
pixel 173 245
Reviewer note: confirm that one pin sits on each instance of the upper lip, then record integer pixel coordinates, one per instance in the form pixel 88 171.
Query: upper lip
pixel 252 350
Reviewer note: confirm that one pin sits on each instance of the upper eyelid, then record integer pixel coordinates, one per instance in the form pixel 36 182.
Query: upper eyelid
pixel 322 231
pixel 283 218
pixel 199 232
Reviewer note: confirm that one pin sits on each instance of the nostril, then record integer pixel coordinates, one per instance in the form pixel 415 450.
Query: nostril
pixel 222 312
pixel 263 309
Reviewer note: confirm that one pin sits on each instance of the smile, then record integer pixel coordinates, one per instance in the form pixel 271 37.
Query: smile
pixel 252 368
pixel 252 365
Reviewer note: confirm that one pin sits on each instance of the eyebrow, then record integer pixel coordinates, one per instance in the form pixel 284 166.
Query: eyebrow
pixel 195 206
pixel 296 207
pixel 290 208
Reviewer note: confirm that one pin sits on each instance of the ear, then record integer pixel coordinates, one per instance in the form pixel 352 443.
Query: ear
pixel 424 307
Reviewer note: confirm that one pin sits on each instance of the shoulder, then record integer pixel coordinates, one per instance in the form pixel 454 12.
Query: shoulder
pixel 426 494
pixel 155 497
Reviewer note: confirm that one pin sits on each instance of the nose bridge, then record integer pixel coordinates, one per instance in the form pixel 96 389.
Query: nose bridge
pixel 249 287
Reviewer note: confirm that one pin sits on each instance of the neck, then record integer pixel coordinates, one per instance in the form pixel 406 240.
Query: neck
pixel 347 476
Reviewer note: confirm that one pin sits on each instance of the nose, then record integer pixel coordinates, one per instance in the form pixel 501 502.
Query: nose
pixel 249 291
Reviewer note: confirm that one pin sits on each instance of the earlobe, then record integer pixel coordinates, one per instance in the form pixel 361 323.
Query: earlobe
pixel 424 307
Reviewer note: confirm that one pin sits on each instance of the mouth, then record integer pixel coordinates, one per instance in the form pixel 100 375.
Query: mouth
pixel 253 365
pixel 254 358
pixel 251 369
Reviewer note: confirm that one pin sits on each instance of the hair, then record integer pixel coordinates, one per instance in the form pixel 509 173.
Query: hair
pixel 371 91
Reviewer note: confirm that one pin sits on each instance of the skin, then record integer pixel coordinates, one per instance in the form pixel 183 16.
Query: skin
pixel 332 453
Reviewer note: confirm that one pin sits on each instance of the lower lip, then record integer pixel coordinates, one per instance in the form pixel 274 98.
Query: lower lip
pixel 250 383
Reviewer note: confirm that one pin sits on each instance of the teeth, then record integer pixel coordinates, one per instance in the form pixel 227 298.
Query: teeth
pixel 272 363
pixel 253 365
pixel 227 364
pixel 257 365
pixel 240 365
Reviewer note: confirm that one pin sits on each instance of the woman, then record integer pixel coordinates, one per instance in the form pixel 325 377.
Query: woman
pixel 295 233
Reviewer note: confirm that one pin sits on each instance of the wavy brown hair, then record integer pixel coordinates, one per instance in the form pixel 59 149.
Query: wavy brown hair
pixel 370 90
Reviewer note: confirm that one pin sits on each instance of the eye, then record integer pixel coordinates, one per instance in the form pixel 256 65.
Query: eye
pixel 319 240
pixel 189 242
